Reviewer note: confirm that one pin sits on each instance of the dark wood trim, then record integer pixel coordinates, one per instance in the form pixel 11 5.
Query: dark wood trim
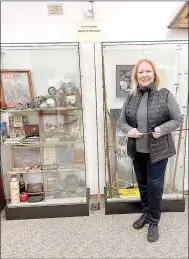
pixel 180 20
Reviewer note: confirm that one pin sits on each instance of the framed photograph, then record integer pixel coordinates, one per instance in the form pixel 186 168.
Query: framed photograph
pixel 59 124
pixel 20 132
pixel 23 156
pixel 123 79
pixel 73 98
pixel 16 87
pixel 17 121
pixel 53 122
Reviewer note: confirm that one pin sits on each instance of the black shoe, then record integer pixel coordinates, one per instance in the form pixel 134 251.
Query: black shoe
pixel 141 222
pixel 153 233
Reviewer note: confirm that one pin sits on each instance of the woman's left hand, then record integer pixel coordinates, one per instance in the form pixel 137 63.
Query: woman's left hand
pixel 157 132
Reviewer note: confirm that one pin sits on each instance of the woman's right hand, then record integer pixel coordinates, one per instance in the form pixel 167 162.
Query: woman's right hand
pixel 133 133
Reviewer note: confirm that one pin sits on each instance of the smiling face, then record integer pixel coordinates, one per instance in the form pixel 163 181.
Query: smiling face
pixel 145 74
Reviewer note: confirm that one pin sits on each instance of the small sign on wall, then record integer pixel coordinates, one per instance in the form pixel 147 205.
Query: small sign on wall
pixel 89 31
pixel 55 9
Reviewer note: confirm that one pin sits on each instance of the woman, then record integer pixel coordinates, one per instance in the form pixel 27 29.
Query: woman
pixel 149 108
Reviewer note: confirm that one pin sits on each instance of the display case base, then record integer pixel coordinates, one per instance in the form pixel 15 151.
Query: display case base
pixel 48 211
pixel 125 207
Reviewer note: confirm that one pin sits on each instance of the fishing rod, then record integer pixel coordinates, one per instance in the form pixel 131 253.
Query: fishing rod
pixel 148 133
pixel 107 154
pixel 177 158
pixel 116 177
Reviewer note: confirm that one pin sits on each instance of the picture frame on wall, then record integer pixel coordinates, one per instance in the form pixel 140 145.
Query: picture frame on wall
pixel 16 87
pixel 123 79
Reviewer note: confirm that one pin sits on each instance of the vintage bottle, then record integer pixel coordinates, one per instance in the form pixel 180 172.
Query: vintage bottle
pixel 14 189
pixel 22 184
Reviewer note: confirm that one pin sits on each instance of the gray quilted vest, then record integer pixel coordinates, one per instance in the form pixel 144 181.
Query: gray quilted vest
pixel 158 113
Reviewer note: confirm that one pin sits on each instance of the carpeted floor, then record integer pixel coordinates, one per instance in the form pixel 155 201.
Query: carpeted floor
pixel 96 236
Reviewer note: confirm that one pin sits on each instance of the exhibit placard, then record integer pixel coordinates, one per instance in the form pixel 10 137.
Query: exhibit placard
pixel 89 31
pixel 55 9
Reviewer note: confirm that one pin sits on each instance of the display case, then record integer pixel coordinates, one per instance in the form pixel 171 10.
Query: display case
pixel 118 60
pixel 43 147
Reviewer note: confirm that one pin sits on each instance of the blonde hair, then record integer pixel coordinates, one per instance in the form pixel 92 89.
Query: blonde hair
pixel 134 81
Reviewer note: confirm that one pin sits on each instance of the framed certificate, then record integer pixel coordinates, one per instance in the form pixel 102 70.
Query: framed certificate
pixel 49 156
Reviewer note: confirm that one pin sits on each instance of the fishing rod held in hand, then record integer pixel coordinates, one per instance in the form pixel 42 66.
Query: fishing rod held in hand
pixel 148 133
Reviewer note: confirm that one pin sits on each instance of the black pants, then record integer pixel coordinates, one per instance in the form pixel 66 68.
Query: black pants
pixel 150 178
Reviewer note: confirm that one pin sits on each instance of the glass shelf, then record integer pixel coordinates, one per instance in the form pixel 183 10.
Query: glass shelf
pixel 70 108
pixel 46 171
pixel 23 172
pixel 48 144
